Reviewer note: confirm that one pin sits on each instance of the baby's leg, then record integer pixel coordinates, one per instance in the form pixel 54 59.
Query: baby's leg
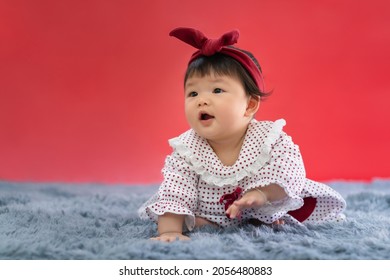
pixel 257 222
pixel 200 222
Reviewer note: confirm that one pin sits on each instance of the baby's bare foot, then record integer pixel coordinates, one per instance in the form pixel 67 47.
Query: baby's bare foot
pixel 278 222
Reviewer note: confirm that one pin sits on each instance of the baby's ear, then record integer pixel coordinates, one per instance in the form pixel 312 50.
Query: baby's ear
pixel 253 106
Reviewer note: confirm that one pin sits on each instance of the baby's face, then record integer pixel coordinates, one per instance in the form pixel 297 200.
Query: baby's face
pixel 216 106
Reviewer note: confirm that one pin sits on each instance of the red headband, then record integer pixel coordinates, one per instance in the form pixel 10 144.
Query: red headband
pixel 208 47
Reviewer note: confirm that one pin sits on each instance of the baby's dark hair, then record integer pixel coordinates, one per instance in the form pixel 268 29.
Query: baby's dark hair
pixel 222 64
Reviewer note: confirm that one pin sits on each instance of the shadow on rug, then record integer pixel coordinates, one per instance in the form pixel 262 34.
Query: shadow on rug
pixel 59 221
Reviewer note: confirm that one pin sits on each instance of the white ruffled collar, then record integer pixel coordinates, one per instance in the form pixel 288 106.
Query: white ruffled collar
pixel 254 154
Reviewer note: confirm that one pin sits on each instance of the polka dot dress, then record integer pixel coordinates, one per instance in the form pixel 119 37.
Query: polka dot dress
pixel 195 179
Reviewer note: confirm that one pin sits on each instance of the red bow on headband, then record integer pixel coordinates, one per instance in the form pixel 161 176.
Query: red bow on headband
pixel 208 47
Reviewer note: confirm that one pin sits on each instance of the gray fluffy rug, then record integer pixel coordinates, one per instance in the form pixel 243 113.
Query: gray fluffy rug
pixel 59 221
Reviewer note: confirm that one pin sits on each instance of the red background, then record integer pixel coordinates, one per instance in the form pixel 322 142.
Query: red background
pixel 90 91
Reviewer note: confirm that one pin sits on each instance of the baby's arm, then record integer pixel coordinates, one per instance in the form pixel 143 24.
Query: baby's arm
pixel 170 228
pixel 178 193
pixel 256 198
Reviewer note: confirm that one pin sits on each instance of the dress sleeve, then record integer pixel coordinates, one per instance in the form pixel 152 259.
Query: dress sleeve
pixel 178 192
pixel 286 169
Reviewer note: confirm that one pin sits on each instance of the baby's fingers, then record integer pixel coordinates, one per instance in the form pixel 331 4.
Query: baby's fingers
pixel 244 203
pixel 164 238
pixel 170 238
pixel 233 212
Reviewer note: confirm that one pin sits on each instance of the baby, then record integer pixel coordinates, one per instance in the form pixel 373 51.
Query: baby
pixel 229 168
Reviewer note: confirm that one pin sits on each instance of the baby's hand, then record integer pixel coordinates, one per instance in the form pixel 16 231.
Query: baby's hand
pixel 170 237
pixel 252 199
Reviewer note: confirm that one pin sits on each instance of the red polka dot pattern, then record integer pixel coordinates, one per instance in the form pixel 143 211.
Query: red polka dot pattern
pixel 195 179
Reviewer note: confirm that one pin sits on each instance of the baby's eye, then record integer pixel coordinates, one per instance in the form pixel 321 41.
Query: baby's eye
pixel 217 90
pixel 192 94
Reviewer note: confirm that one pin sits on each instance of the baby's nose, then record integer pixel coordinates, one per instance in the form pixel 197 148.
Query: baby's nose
pixel 202 102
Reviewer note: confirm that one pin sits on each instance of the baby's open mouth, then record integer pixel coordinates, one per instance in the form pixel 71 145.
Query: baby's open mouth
pixel 205 117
